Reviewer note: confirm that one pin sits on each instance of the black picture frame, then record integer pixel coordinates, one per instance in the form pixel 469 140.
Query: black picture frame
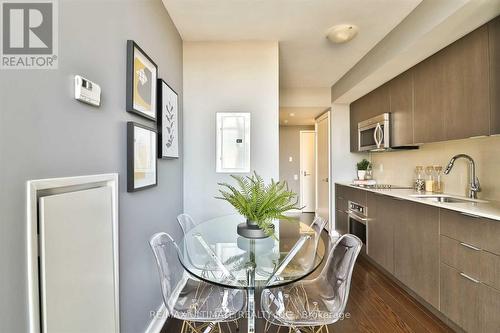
pixel 131 48
pixel 131 156
pixel 159 121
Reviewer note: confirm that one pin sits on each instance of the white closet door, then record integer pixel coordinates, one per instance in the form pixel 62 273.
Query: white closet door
pixel 77 262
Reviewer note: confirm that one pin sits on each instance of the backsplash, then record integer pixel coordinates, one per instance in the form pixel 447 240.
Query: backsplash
pixel 397 167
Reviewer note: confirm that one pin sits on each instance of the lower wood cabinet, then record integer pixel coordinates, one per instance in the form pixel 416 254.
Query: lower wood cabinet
pixel 416 249
pixel 470 271
pixel 460 298
pixel 451 260
pixel 341 221
pixel 380 229
pixel 489 300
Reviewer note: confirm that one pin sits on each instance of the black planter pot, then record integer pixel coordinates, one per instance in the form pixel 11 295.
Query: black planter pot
pixel 250 229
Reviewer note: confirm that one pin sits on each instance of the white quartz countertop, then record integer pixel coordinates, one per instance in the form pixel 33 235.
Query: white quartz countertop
pixel 481 208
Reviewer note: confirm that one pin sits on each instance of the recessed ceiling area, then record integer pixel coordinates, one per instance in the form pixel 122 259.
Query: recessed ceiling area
pixel 299 116
pixel 307 58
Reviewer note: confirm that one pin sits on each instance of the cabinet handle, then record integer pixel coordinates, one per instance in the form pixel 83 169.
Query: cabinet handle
pixel 470 246
pixel 470 215
pixel 469 278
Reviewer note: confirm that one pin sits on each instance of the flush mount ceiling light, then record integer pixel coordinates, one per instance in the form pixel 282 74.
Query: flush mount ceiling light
pixel 292 114
pixel 342 33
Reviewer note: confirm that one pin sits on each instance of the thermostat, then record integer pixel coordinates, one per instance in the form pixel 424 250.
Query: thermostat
pixel 87 91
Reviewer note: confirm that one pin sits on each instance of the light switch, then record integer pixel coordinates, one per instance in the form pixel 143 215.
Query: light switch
pixel 290 159
pixel 295 177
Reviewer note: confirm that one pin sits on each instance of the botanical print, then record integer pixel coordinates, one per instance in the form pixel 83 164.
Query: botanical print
pixel 144 84
pixel 144 157
pixel 169 121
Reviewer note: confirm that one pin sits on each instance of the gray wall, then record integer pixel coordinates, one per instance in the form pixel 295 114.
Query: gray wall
pixel 290 147
pixel 227 77
pixel 45 133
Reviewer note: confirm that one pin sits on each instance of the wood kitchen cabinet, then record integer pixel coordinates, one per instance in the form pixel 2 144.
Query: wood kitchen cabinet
pixel 489 308
pixel 494 42
pixel 368 106
pixel 416 249
pixel 460 298
pixel 341 222
pixel 401 98
pixel 341 218
pixel 470 271
pixel 451 91
pixel 382 213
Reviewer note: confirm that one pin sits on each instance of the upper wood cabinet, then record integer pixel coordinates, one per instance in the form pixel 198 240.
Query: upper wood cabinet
pixel 453 94
pixel 368 106
pixel 401 99
pixel 429 100
pixel 452 91
pixel 494 42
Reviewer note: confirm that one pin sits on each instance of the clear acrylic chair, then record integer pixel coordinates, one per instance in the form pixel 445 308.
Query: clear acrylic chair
pixel 186 222
pixel 201 306
pixel 310 305
pixel 302 255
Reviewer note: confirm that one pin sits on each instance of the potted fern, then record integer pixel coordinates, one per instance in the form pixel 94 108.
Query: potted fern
pixel 259 203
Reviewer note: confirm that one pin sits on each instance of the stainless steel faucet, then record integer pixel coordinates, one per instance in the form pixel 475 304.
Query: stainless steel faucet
pixel 474 186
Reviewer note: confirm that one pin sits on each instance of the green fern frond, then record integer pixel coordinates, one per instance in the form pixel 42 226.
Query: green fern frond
pixel 258 201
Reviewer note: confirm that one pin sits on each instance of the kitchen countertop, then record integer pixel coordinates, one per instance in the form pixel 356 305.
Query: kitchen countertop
pixel 481 208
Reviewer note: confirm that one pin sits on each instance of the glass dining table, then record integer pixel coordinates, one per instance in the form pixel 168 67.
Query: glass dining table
pixel 214 252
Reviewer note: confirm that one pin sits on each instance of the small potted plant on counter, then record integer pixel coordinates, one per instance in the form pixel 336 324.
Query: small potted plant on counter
pixel 363 166
pixel 259 203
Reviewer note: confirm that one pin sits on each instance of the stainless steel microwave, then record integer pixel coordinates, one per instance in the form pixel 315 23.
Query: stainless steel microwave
pixel 374 133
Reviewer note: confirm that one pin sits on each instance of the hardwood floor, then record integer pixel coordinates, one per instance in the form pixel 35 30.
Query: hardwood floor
pixel 376 304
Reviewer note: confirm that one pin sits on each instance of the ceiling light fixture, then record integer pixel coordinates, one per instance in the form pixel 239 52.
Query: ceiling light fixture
pixel 292 114
pixel 342 33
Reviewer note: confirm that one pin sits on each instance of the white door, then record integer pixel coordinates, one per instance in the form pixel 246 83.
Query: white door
pixel 307 171
pixel 77 276
pixel 323 166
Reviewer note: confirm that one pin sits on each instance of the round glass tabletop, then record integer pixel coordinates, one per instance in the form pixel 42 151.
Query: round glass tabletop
pixel 214 252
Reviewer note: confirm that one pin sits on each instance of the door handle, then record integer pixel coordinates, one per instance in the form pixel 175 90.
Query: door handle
pixel 378 135
pixel 306 174
pixel 375 136
pixel 325 179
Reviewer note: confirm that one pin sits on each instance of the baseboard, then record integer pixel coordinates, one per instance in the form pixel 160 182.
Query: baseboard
pixel 158 320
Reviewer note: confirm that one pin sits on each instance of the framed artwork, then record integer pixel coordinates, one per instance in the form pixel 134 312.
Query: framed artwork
pixel 141 157
pixel 142 74
pixel 168 129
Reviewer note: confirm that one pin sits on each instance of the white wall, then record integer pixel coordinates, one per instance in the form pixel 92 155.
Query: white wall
pixel 398 167
pixel 227 77
pixel 343 161
pixel 45 133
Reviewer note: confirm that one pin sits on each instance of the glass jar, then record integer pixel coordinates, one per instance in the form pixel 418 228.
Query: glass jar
pixel 419 183
pixel 438 179
pixel 429 179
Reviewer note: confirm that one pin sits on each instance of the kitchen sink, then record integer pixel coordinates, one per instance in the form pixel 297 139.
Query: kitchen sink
pixel 447 199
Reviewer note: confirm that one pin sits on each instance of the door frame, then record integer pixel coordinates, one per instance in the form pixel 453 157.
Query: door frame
pixel 323 116
pixel 301 185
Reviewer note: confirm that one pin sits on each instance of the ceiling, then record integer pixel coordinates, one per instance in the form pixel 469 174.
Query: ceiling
pixel 298 116
pixel 307 59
